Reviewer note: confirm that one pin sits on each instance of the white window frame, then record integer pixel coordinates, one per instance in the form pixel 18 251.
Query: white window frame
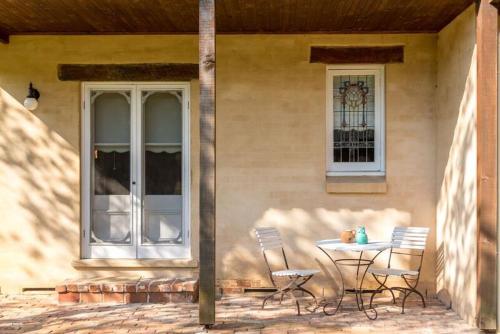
pixel 139 251
pixel 357 168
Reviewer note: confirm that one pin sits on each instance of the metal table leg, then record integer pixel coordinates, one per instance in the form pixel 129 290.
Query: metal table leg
pixel 342 290
pixel 358 288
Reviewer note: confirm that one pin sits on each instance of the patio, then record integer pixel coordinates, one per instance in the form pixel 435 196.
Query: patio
pixel 235 314
pixel 331 115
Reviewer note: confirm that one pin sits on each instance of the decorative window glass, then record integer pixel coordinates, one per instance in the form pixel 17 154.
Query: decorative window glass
pixel 355 120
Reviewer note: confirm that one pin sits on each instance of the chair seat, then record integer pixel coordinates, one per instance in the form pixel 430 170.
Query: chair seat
pixel 392 272
pixel 295 272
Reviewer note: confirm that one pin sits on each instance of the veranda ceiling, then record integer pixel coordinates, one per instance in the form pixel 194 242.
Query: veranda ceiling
pixel 233 16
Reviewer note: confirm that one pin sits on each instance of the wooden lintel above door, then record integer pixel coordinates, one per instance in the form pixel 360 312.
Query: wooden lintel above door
pixel 128 72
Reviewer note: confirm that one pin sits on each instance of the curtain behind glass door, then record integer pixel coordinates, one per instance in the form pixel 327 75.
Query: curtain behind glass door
pixel 162 176
pixel 111 221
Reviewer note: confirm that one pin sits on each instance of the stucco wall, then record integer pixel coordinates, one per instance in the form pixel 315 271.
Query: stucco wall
pixel 456 165
pixel 39 152
pixel 271 103
pixel 270 150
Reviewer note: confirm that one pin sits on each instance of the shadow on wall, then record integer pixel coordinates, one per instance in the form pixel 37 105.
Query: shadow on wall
pixel 39 199
pixel 456 208
pixel 300 229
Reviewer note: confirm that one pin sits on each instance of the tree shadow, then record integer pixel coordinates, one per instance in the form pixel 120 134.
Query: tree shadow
pixel 456 168
pixel 39 199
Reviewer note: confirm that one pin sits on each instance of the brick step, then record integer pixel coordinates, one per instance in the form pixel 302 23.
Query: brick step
pixel 119 291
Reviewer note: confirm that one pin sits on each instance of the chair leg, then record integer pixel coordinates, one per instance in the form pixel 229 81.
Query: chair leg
pixel 379 290
pixel 415 291
pixel 385 287
pixel 289 289
pixel 316 305
pixel 421 296
pixel 281 297
pixel 407 293
pixel 411 289
pixel 393 296
pixel 309 293
pixel 270 296
pixel 296 301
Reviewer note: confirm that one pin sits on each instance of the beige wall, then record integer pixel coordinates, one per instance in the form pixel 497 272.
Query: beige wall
pixel 270 150
pixel 456 165
pixel 39 152
pixel 271 104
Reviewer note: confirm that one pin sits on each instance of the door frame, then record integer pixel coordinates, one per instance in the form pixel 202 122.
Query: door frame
pixel 179 251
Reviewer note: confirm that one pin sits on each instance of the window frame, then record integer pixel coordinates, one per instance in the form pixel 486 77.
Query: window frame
pixel 377 167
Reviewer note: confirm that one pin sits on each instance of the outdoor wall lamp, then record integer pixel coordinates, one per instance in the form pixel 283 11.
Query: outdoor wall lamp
pixel 31 101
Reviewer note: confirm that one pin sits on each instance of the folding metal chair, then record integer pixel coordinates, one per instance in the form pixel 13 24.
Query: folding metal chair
pixel 269 239
pixel 406 241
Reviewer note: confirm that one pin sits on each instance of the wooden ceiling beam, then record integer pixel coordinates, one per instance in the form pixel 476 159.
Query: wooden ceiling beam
pixel 128 72
pixel 359 55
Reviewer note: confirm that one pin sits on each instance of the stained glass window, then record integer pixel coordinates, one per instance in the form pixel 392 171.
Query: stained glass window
pixel 354 118
pixel 355 115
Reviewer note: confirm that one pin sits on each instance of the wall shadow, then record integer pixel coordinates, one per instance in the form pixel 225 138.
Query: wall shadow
pixel 39 199
pixel 456 211
pixel 300 229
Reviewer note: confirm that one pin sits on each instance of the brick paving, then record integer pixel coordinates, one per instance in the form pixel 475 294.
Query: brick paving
pixel 235 314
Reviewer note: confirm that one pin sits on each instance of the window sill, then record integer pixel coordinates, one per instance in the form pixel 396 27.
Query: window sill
pixel 131 263
pixel 356 185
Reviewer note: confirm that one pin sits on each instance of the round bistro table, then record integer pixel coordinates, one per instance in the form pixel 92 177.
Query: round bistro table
pixel 361 265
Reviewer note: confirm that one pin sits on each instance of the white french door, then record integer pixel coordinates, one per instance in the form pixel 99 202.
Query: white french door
pixel 135 192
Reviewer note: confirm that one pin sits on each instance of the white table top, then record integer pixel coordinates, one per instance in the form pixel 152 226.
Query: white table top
pixel 337 245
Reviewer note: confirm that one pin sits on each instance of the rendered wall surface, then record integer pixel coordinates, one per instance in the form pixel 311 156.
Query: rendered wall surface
pixel 270 152
pixel 40 153
pixel 456 222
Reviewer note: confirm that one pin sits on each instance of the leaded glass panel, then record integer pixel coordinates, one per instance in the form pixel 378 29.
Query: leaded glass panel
pixel 353 118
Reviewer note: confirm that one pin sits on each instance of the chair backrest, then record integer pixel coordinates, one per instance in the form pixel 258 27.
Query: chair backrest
pixel 269 238
pixel 409 241
pixel 410 237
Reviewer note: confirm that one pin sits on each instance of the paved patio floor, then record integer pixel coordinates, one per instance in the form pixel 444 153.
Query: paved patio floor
pixel 41 314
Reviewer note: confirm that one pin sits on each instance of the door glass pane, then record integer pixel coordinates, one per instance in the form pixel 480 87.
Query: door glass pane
pixel 162 180
pixel 111 200
pixel 354 118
